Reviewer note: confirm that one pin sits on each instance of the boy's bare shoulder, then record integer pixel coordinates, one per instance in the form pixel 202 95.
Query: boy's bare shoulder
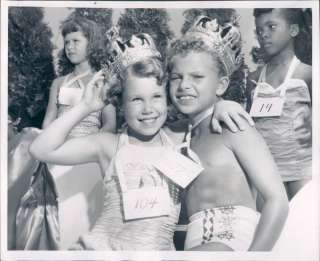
pixel 240 137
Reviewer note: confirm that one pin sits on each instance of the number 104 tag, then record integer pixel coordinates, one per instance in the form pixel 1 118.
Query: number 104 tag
pixel 146 202
pixel 267 107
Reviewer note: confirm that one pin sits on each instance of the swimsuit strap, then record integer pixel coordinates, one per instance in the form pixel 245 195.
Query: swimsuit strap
pixel 293 66
pixel 187 139
pixel 166 140
pixel 262 76
pixel 76 78
pixel 282 87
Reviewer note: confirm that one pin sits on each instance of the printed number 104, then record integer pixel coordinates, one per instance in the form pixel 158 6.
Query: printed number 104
pixel 146 203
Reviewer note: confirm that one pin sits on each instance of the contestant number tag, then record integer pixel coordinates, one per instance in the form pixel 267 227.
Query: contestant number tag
pixel 267 107
pixel 70 96
pixel 178 168
pixel 146 202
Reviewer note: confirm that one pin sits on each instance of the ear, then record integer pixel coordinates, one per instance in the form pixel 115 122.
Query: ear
pixel 222 86
pixel 294 30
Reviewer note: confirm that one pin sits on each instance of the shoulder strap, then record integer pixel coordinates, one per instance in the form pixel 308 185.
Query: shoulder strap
pixel 166 139
pixel 262 77
pixel 76 78
pixel 293 66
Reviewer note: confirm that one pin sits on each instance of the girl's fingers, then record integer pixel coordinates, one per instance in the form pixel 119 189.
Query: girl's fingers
pixel 230 124
pixel 216 127
pixel 247 116
pixel 238 121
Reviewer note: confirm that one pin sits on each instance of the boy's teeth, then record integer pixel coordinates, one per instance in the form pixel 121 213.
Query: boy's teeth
pixel 185 97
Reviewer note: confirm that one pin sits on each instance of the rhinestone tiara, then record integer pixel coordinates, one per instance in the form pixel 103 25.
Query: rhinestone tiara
pixel 223 40
pixel 122 54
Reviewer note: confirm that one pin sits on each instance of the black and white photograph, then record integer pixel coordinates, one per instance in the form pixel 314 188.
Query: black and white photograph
pixel 160 130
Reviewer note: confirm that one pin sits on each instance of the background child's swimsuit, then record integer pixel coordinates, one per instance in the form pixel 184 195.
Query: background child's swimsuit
pixel 91 123
pixel 289 136
pixel 112 231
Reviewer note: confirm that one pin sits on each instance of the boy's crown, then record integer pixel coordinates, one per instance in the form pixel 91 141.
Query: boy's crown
pixel 224 40
pixel 125 53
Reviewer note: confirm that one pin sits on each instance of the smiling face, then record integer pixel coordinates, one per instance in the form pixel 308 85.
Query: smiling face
pixel 273 32
pixel 194 79
pixel 144 103
pixel 75 45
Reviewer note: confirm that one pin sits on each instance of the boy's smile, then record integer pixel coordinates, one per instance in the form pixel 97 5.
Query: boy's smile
pixel 193 82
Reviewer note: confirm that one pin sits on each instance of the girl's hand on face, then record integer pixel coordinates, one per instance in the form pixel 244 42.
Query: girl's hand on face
pixel 231 114
pixel 95 92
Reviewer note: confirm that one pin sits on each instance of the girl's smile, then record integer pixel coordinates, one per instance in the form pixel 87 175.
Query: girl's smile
pixel 144 105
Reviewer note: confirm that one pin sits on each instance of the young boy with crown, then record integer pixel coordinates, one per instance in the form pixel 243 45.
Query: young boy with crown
pixel 221 201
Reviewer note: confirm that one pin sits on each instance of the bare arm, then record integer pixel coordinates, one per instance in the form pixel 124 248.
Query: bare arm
pixel 109 120
pixel 50 145
pixel 257 161
pixel 231 114
pixel 51 112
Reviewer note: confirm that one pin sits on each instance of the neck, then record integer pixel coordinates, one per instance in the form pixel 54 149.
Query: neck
pixel 283 57
pixel 81 68
pixel 145 140
pixel 200 117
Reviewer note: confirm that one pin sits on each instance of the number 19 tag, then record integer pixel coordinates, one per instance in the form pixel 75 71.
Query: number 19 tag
pixel 267 107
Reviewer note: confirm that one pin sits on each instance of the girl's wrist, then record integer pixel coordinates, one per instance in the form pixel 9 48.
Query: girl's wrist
pixel 84 107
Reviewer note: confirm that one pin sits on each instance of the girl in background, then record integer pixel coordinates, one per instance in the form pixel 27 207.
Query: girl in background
pixel 284 83
pixel 82 43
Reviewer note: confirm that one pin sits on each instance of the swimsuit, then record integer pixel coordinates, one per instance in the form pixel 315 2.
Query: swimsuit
pixel 112 231
pixel 88 125
pixel 289 136
pixel 233 226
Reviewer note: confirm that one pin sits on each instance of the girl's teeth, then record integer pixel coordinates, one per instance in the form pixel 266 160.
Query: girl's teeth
pixel 149 120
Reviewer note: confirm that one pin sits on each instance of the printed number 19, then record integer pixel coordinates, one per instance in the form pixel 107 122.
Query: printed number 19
pixel 267 107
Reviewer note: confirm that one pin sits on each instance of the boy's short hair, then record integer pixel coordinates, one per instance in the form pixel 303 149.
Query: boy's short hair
pixel 184 46
pixel 149 68
pixel 236 86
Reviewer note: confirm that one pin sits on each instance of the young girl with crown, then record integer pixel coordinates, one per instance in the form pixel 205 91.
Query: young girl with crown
pixel 221 201
pixel 141 205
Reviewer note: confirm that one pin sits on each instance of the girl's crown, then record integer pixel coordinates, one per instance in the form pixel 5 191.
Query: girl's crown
pixel 125 53
pixel 225 41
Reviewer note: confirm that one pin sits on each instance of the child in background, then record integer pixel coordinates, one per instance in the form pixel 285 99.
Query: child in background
pixel 82 41
pixel 221 200
pixel 139 87
pixel 284 83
